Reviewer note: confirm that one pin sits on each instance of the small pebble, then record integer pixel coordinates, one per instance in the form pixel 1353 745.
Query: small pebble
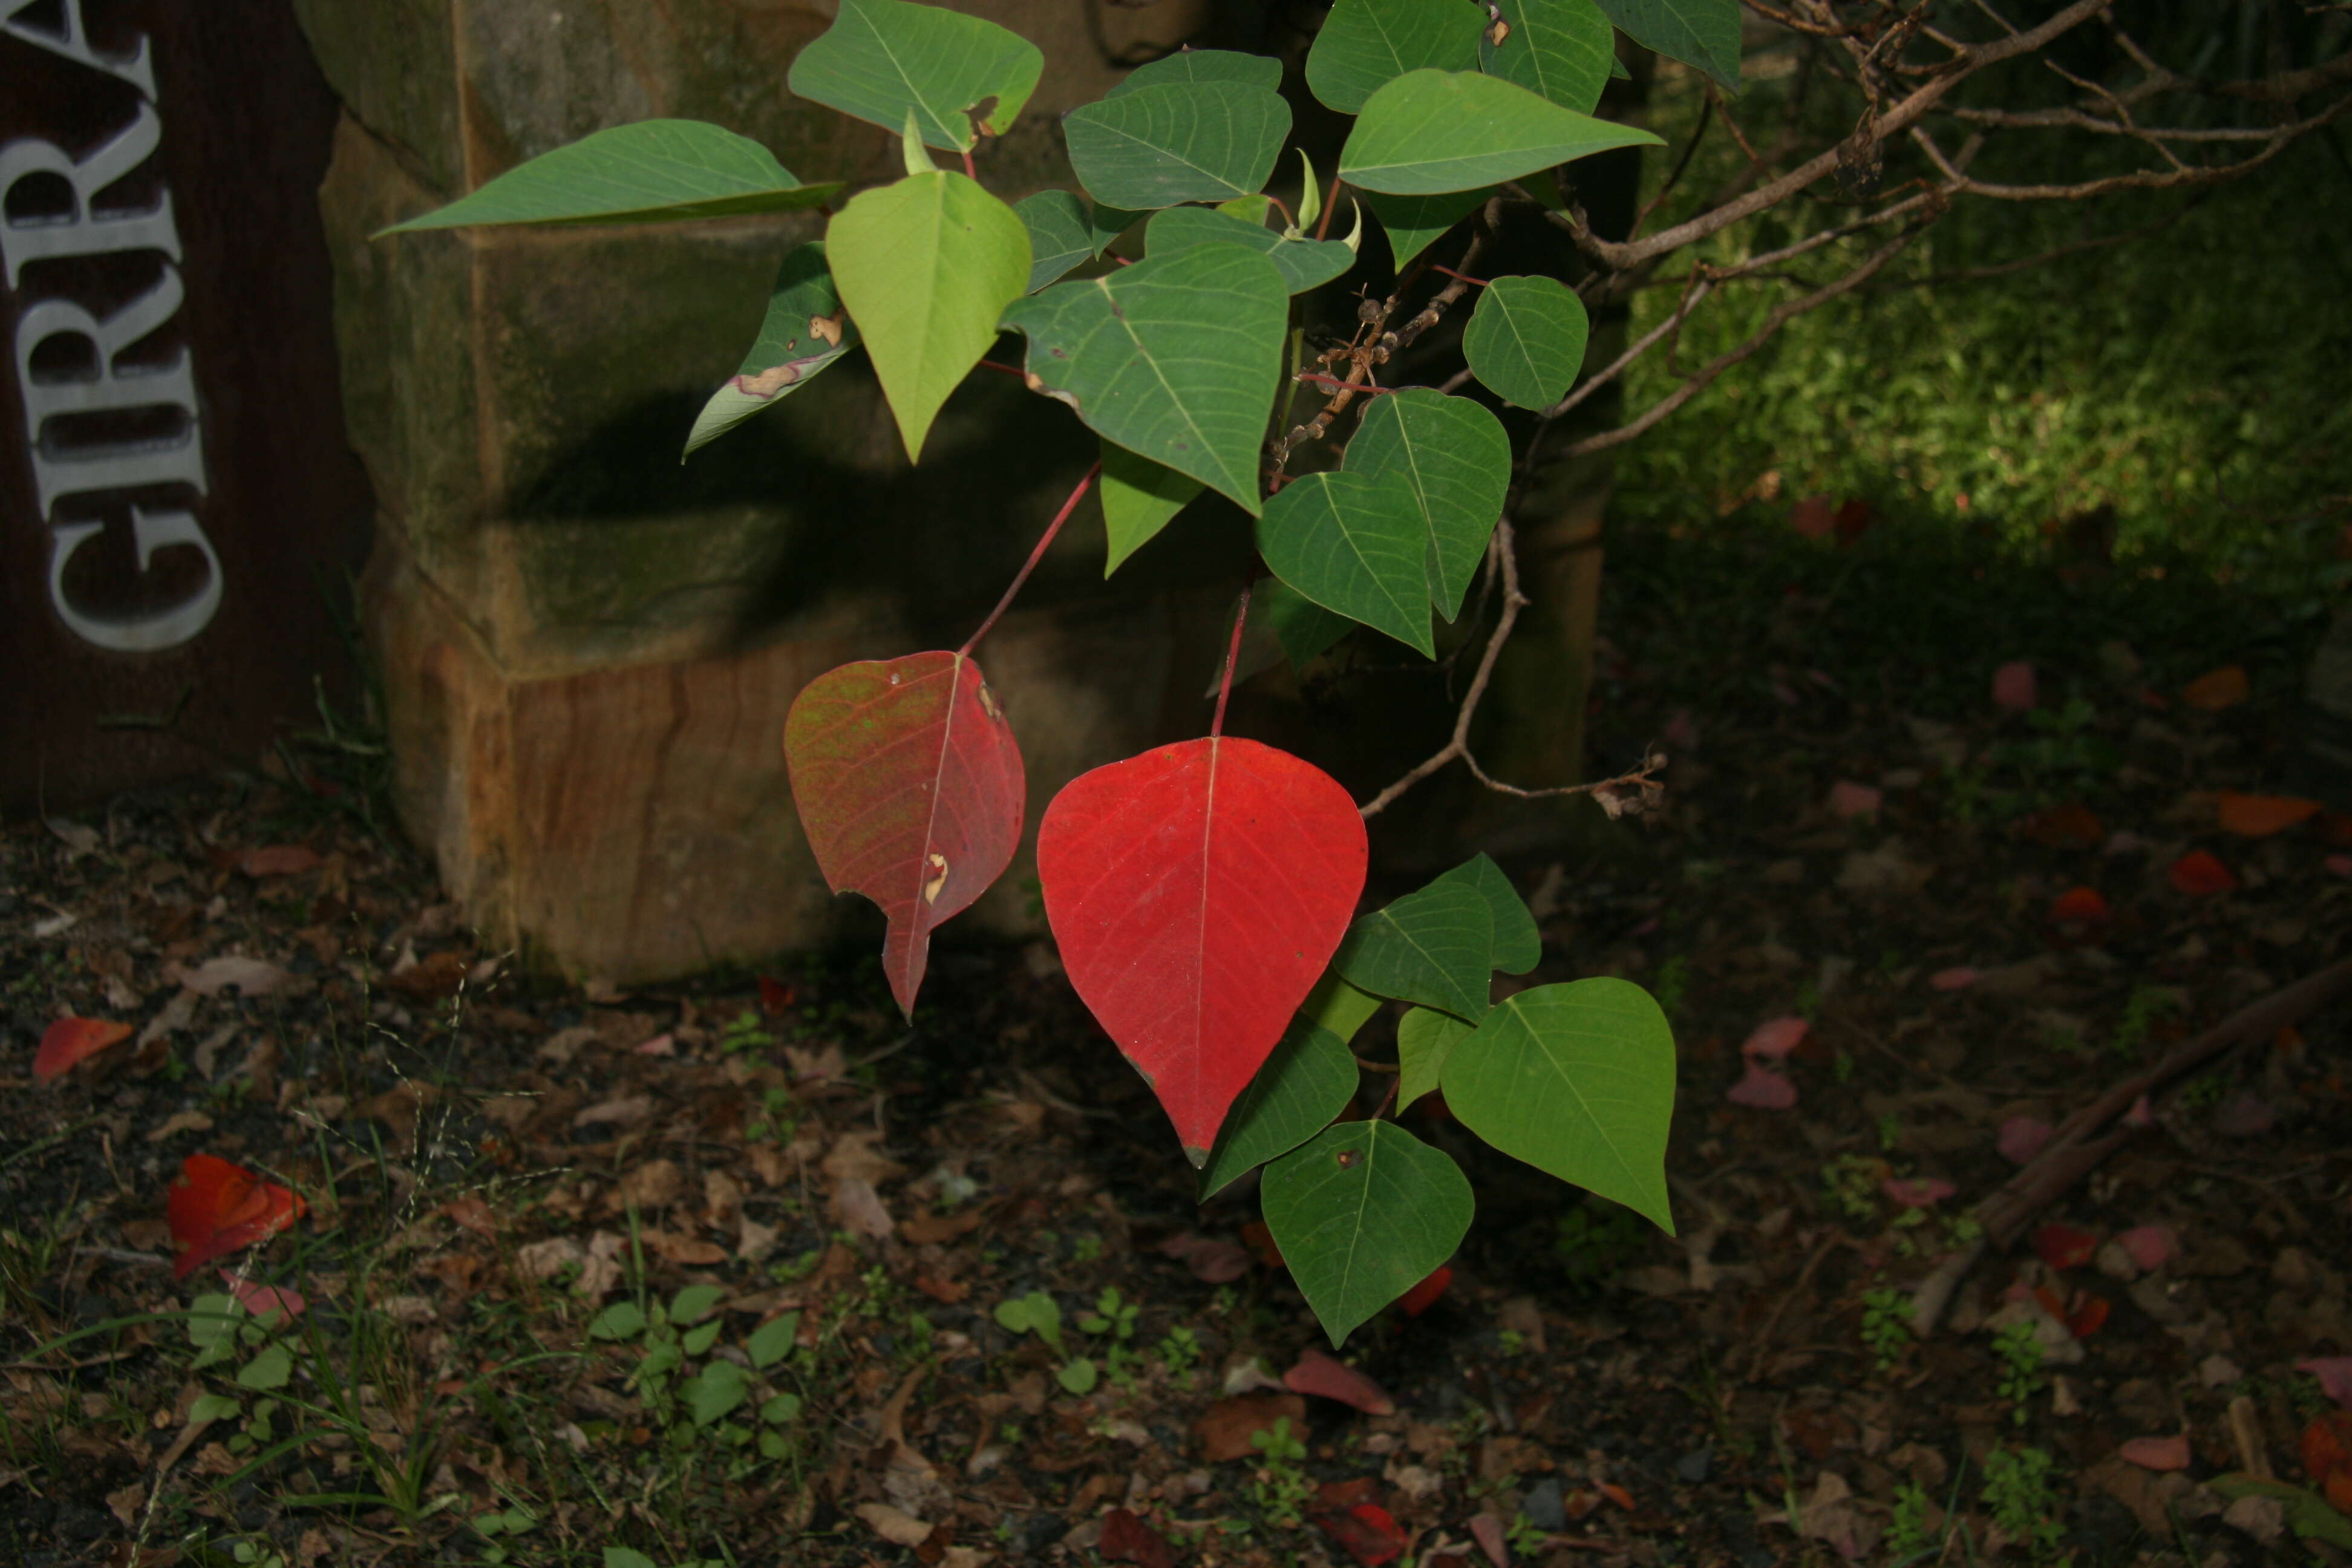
pixel 1693 1466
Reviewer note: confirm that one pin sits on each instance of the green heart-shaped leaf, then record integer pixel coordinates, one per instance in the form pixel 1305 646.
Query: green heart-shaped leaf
pixel 1456 459
pixel 1139 499
pixel 1576 1079
pixel 804 330
pixel 883 58
pixel 1177 142
pixel 1519 945
pixel 1414 223
pixel 1702 33
pixel 1061 234
pixel 1303 1085
pixel 656 171
pixel 1261 71
pixel 1526 340
pixel 1305 263
pixel 1175 358
pixel 1424 1037
pixel 1364 44
pixel 1435 947
pixel 1431 132
pixel 1302 627
pixel 1559 49
pixel 926 266
pixel 1354 544
pixel 1362 1214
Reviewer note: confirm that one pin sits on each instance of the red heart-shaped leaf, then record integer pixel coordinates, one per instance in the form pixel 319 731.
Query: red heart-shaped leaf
pixel 910 789
pixel 1196 892
pixel 218 1207
pixel 71 1040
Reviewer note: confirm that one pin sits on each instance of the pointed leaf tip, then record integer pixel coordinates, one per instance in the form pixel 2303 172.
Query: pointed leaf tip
pixel 1196 892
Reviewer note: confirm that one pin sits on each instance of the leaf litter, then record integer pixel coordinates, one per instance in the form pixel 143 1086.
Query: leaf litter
pixel 487 1167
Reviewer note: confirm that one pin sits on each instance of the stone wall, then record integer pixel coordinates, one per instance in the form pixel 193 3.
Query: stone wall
pixel 587 649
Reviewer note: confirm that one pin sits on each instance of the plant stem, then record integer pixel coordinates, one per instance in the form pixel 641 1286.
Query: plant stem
pixel 1331 205
pixel 1036 555
pixel 1232 656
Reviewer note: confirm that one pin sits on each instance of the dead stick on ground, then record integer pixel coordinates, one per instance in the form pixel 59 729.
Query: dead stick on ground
pixel 2073 1150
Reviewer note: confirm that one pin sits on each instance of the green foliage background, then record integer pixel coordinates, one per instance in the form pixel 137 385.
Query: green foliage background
pixel 2195 380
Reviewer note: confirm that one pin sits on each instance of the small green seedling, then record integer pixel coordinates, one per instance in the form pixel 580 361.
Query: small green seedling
pixel 1885 1324
pixel 695 1400
pixel 2024 1505
pixel 2019 1351
pixel 1036 1313
pixel 1280 1488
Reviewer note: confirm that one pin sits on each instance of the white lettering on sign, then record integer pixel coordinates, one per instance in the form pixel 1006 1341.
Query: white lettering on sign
pixel 74 45
pixel 101 384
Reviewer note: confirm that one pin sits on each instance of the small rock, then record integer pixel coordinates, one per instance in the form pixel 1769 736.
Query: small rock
pixel 1543 1504
pixel 2263 1518
pixel 1692 1467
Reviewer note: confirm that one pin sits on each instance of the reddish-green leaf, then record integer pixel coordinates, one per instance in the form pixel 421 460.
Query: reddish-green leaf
pixel 71 1040
pixel 909 788
pixel 1197 891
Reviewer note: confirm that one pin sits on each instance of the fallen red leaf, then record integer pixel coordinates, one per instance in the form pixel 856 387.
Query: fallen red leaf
pixel 1126 1539
pixel 216 1208
pixel 2063 1246
pixel 2080 906
pixel 1367 1531
pixel 1775 1039
pixel 2088 1316
pixel 2158 1453
pixel 1615 1494
pixel 2013 687
pixel 2071 825
pixel 72 1040
pixel 910 789
pixel 1327 1378
pixel 1959 978
pixel 1424 1296
pixel 2326 1446
pixel 2021 1138
pixel 2260 815
pixel 2199 875
pixel 279 860
pixel 2217 689
pixel 1763 1088
pixel 777 996
pixel 1196 892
